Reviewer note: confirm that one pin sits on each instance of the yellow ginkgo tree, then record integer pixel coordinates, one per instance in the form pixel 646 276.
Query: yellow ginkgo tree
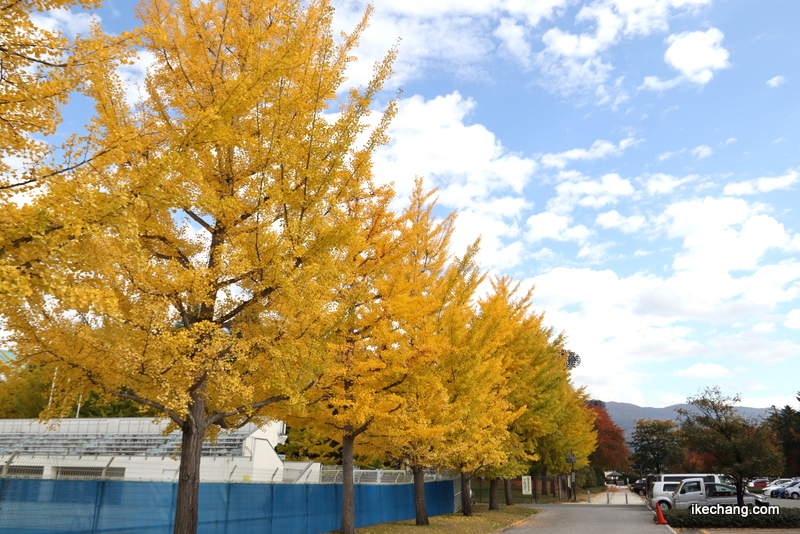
pixel 375 350
pixel 192 266
pixel 436 285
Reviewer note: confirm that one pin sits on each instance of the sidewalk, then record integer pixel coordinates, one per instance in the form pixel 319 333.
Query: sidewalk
pixel 613 495
pixel 584 518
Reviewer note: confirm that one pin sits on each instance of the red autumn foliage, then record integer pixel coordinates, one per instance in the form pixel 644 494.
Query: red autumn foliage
pixel 612 452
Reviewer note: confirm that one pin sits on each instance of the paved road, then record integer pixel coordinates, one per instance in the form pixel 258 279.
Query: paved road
pixel 784 503
pixel 615 497
pixel 589 518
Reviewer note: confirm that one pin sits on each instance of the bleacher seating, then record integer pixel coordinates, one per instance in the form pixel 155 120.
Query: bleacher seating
pixel 114 444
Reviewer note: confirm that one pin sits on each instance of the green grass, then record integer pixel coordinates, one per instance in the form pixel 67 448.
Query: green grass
pixel 480 488
pixel 483 521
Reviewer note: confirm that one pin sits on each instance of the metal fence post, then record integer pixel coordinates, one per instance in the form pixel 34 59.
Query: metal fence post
pixel 98 504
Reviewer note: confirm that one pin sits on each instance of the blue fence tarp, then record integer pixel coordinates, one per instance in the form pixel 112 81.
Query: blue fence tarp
pixel 106 506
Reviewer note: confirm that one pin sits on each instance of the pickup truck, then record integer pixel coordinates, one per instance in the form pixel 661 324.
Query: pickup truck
pixel 697 490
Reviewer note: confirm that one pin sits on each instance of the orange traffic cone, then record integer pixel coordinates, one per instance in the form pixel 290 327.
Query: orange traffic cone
pixel 660 517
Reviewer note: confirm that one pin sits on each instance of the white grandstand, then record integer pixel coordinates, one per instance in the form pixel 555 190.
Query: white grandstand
pixel 137 449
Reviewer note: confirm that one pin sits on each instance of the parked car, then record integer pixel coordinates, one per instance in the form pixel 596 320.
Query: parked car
pixel 792 493
pixel 775 484
pixel 640 487
pixel 759 483
pixel 661 494
pixel 781 492
pixel 696 490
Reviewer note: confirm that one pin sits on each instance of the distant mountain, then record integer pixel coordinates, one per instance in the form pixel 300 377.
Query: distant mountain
pixel 625 414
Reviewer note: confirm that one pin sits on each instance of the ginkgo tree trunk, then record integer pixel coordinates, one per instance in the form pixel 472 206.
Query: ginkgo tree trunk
pixel 191 267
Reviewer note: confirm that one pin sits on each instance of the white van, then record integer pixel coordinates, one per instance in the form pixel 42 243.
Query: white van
pixel 660 494
pixel 707 477
pixel 677 477
pixel 698 491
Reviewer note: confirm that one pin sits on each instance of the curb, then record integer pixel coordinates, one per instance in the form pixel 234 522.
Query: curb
pixel 669 528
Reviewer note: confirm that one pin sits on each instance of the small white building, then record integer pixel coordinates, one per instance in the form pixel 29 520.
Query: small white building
pixel 137 449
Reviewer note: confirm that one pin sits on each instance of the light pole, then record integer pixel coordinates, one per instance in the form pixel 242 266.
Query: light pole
pixel 571 361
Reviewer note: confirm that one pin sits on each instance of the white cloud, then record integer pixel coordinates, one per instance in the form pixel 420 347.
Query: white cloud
pixel 448 36
pixel 513 37
pixel 722 234
pixel 792 319
pixel 499 246
pixel 627 225
pixel 594 252
pixel 763 184
pixel 552 226
pixel 599 149
pixel 669 399
pixel 590 193
pixel 453 35
pixel 757 347
pixel 475 174
pixel 645 17
pixel 574 62
pixel 702 151
pixel 766 402
pixel 432 138
pixel 133 75
pixel 695 55
pixel 661 184
pixel 69 22
pixel 459 36
pixel 654 83
pixel 568 75
pixel 583 46
pixel 704 370
pixel 776 81
pixel 668 155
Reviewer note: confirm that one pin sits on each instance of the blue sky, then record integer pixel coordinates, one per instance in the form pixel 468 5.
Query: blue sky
pixel 636 160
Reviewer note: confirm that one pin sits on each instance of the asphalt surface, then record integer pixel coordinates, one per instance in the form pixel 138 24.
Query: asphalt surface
pixel 616 517
pixel 589 518
pixel 784 503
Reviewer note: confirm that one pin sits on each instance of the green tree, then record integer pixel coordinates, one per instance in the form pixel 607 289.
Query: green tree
pixel 786 425
pixel 23 391
pixel 94 405
pixel 655 445
pixel 740 447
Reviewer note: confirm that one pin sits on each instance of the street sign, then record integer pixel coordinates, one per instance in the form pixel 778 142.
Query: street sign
pixel 527 487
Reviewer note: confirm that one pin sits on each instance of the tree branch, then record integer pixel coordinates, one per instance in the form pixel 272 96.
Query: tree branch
pixel 218 418
pixel 141 400
pixel 199 220
pixel 242 306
